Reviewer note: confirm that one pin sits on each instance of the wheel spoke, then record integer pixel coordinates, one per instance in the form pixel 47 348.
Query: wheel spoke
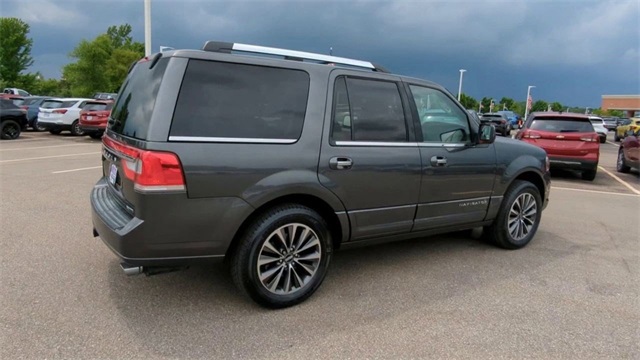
pixel 292 235
pixel 297 277
pixel 302 238
pixel 306 268
pixel 265 275
pixel 266 259
pixel 312 242
pixel 274 285
pixel 312 256
pixel 287 279
pixel 280 235
pixel 270 247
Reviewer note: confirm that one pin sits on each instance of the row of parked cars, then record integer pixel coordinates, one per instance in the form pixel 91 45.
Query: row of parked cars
pixel 79 116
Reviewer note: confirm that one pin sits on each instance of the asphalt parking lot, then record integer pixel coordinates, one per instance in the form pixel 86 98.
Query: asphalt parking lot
pixel 572 293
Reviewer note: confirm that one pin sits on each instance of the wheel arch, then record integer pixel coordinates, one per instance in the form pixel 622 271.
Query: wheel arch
pixel 337 221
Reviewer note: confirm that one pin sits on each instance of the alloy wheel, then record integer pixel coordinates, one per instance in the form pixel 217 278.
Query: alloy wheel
pixel 522 216
pixel 11 131
pixel 289 259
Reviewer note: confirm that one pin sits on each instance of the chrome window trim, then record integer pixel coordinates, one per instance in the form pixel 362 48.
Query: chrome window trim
pixel 232 140
pixel 437 145
pixel 376 143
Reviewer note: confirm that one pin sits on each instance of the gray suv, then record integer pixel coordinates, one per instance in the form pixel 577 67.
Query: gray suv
pixel 272 159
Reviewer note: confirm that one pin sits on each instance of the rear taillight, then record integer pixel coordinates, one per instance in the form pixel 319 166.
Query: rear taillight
pixel 592 138
pixel 149 170
pixel 60 111
pixel 531 135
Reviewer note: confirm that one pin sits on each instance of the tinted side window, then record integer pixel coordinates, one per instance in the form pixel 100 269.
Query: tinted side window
pixel 440 119
pixel 341 112
pixel 375 111
pixel 225 100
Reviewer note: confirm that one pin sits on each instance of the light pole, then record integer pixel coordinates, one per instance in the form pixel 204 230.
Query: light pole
pixel 586 111
pixel 147 27
pixel 462 71
pixel 526 104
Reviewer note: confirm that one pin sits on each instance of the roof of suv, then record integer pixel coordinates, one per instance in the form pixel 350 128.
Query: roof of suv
pixel 285 56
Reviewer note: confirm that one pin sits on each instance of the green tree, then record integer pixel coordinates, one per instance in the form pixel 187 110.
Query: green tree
pixel 556 106
pixel 102 63
pixel 507 102
pixel 539 105
pixel 486 102
pixel 15 49
pixel 468 102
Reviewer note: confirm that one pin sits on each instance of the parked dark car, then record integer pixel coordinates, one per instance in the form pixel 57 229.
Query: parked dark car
pixel 610 123
pixel 12 120
pixel 569 139
pixel 499 120
pixel 629 152
pixel 32 105
pixel 275 163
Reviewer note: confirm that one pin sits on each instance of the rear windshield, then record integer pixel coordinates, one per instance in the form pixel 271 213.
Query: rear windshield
pixel 51 104
pixel 31 101
pixel 132 111
pixel 224 100
pixel 561 125
pixel 96 106
pixel 18 101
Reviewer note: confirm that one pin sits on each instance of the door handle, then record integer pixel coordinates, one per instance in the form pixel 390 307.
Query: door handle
pixel 438 161
pixel 340 163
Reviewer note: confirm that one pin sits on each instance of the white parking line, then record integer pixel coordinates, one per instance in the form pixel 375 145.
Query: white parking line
pixel 44 147
pixel 593 191
pixel 620 180
pixel 47 157
pixel 72 170
pixel 609 142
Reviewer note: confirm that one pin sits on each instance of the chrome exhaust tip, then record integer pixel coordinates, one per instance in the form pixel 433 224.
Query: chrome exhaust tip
pixel 131 270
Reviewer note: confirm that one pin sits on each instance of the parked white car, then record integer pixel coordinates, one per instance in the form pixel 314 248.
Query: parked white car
pixel 57 115
pixel 16 91
pixel 598 126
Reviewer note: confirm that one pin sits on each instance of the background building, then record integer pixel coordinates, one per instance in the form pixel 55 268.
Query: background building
pixel 630 104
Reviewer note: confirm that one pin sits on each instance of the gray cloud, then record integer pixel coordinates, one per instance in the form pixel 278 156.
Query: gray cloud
pixel 573 51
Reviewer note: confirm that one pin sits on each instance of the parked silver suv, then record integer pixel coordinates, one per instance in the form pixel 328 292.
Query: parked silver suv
pixel 273 159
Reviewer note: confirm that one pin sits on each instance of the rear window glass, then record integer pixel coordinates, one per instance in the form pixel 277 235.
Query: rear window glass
pixel 224 100
pixel 132 112
pixel 95 106
pixel 31 101
pixel 561 125
pixel 51 104
pixel 18 101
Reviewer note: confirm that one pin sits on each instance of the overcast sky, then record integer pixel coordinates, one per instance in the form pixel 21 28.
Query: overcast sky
pixel 573 51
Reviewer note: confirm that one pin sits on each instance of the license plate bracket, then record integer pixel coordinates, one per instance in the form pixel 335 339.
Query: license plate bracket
pixel 113 174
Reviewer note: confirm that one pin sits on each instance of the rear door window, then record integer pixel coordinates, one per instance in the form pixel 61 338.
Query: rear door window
pixel 236 101
pixel 561 125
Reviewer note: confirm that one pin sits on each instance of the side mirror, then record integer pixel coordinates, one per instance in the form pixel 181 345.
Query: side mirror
pixel 487 134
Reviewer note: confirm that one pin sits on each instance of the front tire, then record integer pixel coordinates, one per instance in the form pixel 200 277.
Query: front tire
pixel 9 130
pixel 55 132
pixel 621 165
pixel 518 217
pixel 283 257
pixel 75 129
pixel 589 175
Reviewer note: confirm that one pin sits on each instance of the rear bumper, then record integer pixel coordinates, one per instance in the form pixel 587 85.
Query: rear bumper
pixel 572 163
pixel 92 128
pixel 53 126
pixel 176 230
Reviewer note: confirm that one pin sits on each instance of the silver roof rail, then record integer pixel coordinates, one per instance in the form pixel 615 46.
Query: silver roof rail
pixel 226 47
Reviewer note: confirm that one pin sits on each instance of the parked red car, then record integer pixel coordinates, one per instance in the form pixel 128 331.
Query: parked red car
pixel 629 152
pixel 94 117
pixel 569 140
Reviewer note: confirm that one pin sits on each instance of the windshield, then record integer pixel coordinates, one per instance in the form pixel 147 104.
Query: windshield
pixel 562 125
pixel 132 111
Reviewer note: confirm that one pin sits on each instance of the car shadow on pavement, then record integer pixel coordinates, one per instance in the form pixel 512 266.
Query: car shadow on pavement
pixel 199 313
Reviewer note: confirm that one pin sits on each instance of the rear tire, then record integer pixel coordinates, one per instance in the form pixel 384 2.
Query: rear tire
pixel 518 217
pixel 294 271
pixel 55 132
pixel 96 135
pixel 9 130
pixel 589 175
pixel 616 138
pixel 621 165
pixel 75 129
